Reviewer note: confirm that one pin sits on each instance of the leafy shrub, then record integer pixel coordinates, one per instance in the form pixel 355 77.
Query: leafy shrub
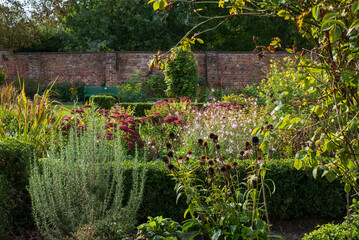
pixel 103 101
pixel 181 74
pixel 82 181
pixel 32 85
pixel 15 204
pixel 65 92
pixel 132 89
pixel 3 75
pixel 139 108
pixel 221 203
pixel 171 106
pixel 155 86
pixel 282 88
pixel 160 228
pixel 349 229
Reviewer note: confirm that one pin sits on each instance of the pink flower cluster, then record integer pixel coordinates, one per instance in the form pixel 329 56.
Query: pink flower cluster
pixel 115 121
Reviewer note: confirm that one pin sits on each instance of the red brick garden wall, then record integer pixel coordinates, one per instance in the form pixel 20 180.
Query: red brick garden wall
pixel 227 69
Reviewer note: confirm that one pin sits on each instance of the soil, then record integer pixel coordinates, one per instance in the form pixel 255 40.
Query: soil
pixel 292 229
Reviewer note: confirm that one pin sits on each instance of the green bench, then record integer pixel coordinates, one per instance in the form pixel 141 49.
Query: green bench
pixel 91 91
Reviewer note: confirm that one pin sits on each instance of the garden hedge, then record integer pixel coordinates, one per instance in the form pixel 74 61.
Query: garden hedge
pixel 104 101
pixel 141 107
pixel 15 203
pixel 297 193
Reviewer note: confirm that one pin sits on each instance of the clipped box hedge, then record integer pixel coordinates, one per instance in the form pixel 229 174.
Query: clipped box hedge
pixel 15 203
pixel 141 107
pixel 297 193
pixel 104 101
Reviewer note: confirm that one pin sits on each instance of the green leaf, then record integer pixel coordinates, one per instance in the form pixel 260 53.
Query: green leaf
pixel 216 235
pixel 315 12
pixel 284 14
pixel 301 155
pixel 329 16
pixel 264 146
pixel 353 27
pixel 298 164
pixel 354 124
pixel 334 34
pixel 318 111
pixel 315 172
pixel 330 176
pixel 355 7
pixel 329 24
pixel 347 188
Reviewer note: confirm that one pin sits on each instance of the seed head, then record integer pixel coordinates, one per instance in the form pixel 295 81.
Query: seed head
pixel 255 140
pixel 171 135
pixel 247 144
pixel 170 154
pixel 165 159
pixel 200 141
pixel 228 167
pixel 235 164
pixel 210 162
pixel 168 145
pixel 171 167
pixel 218 146
pixel 205 144
pixel 211 171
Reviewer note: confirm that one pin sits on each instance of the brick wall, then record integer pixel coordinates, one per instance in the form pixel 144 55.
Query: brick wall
pixel 227 69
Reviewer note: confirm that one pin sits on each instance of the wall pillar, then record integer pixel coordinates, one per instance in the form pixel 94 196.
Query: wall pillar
pixel 212 69
pixel 110 69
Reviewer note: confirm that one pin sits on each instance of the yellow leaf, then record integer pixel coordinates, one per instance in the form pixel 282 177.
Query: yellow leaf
pixel 233 11
pixel 301 19
pixel 221 3
pixel 151 1
pixel 200 40
pixel 199 9
pixel 156 6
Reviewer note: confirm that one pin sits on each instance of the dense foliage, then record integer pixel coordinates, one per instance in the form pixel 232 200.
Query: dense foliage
pixel 181 74
pixel 15 203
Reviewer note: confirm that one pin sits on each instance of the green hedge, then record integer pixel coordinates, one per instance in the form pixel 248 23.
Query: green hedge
pixel 297 193
pixel 159 198
pixel 104 101
pixel 349 229
pixel 15 203
pixel 141 107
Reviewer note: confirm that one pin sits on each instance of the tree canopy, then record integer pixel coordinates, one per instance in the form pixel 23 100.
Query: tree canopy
pixel 93 25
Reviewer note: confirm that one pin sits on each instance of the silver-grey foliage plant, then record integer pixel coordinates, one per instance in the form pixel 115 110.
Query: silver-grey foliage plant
pixel 83 180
